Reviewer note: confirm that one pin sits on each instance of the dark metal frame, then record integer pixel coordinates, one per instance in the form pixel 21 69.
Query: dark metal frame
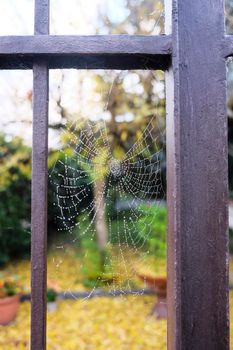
pixel 193 53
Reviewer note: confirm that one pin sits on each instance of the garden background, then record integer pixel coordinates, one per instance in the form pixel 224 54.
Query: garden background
pixel 106 184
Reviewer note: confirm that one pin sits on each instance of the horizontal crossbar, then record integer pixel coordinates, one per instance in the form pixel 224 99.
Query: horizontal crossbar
pixel 108 51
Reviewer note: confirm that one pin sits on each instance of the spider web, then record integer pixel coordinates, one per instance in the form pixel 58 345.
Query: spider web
pixel 137 175
pixel 87 160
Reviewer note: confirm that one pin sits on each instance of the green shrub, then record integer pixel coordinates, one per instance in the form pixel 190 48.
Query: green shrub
pixel 96 266
pixel 152 227
pixel 15 173
pixel 62 163
pixel 51 295
pixel 15 194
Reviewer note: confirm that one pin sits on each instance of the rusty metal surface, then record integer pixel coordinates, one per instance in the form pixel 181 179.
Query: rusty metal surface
pixel 197 179
pixel 39 187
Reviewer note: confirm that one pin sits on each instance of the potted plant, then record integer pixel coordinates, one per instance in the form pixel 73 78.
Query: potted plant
pixel 52 294
pixel 153 225
pixel 10 292
pixel 51 299
pixel 158 284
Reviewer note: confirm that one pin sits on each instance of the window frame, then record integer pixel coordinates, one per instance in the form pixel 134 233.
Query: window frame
pixel 193 54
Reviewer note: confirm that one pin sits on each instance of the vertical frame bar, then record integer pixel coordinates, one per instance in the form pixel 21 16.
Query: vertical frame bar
pixel 39 187
pixel 172 255
pixel 197 179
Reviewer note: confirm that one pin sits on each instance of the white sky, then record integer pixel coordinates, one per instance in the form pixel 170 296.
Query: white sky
pixel 72 16
pixel 67 17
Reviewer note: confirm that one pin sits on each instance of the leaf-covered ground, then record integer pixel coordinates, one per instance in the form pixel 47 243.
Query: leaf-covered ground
pixel 94 324
pixel 65 266
pixel 98 324
pixel 120 323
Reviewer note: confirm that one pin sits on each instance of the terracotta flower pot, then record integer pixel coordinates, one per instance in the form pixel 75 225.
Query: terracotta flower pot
pixel 8 309
pixel 159 286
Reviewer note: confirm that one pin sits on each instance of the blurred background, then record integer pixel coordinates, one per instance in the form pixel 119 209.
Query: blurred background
pixel 106 186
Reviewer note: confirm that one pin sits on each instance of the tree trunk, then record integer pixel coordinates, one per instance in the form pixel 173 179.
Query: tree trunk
pixel 101 227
